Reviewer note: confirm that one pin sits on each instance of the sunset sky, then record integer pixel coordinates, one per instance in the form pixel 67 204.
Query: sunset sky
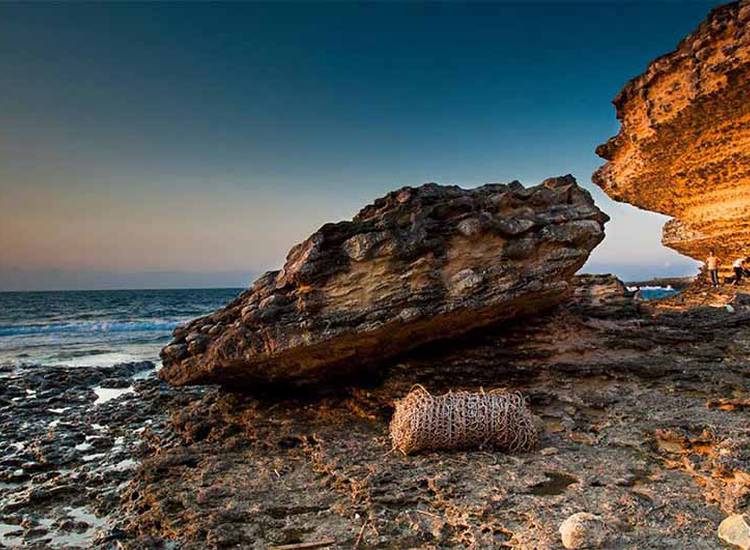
pixel 150 146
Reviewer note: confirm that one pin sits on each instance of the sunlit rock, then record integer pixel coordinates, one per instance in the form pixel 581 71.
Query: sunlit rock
pixel 684 144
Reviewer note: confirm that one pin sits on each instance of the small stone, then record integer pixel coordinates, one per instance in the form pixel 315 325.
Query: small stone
pixel 403 196
pixel 512 227
pixel 735 530
pixel 180 331
pixel 583 530
pixel 115 382
pixel 274 300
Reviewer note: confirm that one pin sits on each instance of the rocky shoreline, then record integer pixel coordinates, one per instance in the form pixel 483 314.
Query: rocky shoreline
pixel 71 440
pixel 641 408
pixel 644 408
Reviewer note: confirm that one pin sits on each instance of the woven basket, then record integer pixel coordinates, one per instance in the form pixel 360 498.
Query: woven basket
pixel 462 420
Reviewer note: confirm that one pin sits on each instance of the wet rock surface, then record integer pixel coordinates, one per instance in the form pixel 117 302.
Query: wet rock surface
pixel 682 149
pixel 70 441
pixel 623 390
pixel 418 265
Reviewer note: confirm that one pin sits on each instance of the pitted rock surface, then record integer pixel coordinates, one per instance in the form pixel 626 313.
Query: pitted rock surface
pixel 684 144
pixel 644 416
pixel 417 265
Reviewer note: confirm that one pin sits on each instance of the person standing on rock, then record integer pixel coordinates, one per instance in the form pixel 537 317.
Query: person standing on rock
pixel 739 270
pixel 712 263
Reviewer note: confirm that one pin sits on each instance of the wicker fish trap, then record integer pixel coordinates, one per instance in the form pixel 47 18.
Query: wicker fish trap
pixel 462 420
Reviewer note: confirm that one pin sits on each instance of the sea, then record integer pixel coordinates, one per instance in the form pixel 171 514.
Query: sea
pixel 100 327
pixel 653 292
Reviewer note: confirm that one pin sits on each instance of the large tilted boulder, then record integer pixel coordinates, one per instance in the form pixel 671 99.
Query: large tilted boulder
pixel 417 265
pixel 684 144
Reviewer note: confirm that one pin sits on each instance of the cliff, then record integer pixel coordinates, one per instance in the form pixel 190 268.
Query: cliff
pixel 684 144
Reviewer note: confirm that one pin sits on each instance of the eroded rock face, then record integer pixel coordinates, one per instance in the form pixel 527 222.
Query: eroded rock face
pixel 684 144
pixel 417 265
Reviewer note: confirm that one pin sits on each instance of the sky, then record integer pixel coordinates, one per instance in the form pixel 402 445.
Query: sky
pixel 189 145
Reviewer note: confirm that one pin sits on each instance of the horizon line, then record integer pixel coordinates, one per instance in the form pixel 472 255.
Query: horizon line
pixel 123 289
pixel 130 289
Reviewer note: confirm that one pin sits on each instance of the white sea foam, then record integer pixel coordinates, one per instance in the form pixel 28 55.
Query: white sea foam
pixel 89 326
pixel 106 394
pixel 99 360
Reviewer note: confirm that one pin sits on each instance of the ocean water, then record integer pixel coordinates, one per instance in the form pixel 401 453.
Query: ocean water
pixel 101 327
pixel 654 292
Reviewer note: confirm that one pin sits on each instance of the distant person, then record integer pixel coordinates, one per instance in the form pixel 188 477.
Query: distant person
pixel 740 269
pixel 712 263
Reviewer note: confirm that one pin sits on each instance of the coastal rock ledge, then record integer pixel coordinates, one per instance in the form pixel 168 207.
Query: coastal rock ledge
pixel 417 265
pixel 684 144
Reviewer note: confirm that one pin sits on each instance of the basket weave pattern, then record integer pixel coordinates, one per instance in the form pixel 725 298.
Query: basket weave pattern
pixel 462 420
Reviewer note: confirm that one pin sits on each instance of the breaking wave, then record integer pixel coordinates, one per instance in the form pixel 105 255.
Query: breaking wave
pixel 88 327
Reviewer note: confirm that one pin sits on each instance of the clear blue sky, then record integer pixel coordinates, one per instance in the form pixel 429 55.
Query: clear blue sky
pixel 156 145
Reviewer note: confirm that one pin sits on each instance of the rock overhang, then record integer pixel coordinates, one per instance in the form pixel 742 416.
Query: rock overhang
pixel 683 148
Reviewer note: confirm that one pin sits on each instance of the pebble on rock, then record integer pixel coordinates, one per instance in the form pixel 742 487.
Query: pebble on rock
pixel 735 530
pixel 583 530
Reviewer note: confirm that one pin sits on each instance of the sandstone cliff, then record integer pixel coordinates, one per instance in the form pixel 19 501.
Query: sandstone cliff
pixel 415 266
pixel 684 144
